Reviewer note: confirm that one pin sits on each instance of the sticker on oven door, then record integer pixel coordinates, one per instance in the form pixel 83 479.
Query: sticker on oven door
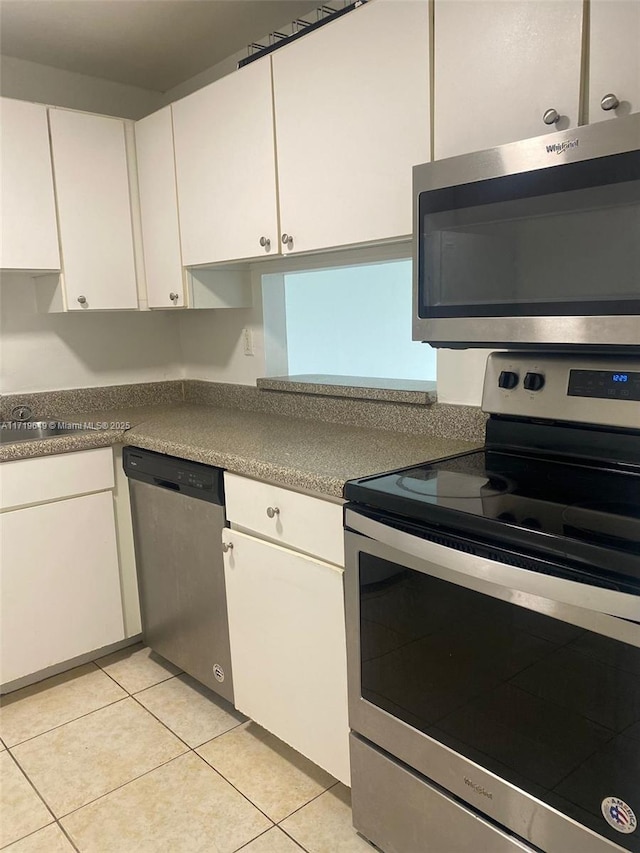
pixel 619 815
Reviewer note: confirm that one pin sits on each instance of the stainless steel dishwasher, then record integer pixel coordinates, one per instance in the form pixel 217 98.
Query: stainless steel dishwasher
pixel 178 516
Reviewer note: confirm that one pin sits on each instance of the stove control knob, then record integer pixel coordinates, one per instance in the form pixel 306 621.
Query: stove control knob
pixel 534 381
pixel 508 379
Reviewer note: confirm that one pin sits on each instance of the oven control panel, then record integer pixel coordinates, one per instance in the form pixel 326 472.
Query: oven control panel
pixel 607 384
pixel 599 390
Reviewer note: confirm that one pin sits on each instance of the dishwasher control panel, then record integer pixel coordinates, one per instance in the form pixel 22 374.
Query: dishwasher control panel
pixel 179 475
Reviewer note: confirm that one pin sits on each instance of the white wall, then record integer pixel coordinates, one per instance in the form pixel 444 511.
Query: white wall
pixel 212 349
pixel 212 343
pixel 461 375
pixel 41 352
pixel 31 81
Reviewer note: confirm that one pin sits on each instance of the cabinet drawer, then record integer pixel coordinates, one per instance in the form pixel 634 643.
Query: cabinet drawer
pixel 50 478
pixel 307 524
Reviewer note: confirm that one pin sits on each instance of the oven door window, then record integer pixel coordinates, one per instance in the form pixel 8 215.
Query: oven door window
pixel 552 242
pixel 551 707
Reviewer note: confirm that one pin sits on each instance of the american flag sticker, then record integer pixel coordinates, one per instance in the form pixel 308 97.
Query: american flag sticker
pixel 619 815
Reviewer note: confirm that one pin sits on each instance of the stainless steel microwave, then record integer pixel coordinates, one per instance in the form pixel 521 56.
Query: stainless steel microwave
pixel 535 244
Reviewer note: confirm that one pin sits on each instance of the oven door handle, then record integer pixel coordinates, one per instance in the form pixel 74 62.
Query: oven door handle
pixel 509 583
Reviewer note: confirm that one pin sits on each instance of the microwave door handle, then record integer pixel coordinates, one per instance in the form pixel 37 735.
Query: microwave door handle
pixel 499 580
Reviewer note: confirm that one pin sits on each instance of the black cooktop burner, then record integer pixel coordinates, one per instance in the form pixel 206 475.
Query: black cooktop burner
pixel 562 505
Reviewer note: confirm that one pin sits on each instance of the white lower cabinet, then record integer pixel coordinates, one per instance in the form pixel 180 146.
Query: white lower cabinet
pixel 60 590
pixel 288 648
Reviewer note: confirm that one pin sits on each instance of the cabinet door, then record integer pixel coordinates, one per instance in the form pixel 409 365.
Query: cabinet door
pixel 499 66
pixel 352 118
pixel 288 648
pixel 29 234
pixel 94 210
pixel 614 57
pixel 159 210
pixel 225 166
pixel 60 583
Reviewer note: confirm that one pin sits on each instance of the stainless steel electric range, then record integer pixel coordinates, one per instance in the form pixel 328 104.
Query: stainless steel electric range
pixel 493 625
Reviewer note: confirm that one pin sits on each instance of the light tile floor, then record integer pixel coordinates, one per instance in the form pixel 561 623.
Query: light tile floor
pixel 128 755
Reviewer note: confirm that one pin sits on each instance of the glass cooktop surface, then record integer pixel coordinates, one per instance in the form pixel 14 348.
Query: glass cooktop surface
pixel 500 493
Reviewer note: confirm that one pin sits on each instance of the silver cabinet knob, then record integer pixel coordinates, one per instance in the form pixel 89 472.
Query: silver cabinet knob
pixel 609 102
pixel 173 297
pixel 287 240
pixel 272 511
pixel 265 242
pixel 227 546
pixel 82 300
pixel 551 116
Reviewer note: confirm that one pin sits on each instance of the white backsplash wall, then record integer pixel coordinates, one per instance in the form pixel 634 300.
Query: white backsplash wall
pixel 461 375
pixel 42 352
pixel 212 343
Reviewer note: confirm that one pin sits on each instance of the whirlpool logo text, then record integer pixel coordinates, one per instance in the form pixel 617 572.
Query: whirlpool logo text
pixel 561 147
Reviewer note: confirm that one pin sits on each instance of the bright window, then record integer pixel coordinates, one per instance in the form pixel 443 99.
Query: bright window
pixel 350 321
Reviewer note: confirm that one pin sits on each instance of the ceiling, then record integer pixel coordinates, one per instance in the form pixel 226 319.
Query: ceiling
pixel 155 44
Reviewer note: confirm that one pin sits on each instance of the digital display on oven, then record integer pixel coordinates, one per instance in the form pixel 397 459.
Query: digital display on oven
pixel 607 384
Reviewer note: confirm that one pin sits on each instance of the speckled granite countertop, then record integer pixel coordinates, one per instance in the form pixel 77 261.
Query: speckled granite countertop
pixel 311 455
pixel 354 387
pixel 304 454
pixel 109 427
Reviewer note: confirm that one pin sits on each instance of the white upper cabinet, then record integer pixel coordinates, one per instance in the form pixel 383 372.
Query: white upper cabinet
pixel 225 166
pixel 352 118
pixel 29 236
pixel 91 171
pixel 614 59
pixel 499 67
pixel 159 210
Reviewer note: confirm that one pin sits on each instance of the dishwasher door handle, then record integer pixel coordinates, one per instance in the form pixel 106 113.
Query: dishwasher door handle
pixel 166 484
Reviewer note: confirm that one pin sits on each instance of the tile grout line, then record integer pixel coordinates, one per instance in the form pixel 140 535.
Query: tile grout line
pixel 275 826
pixel 275 823
pixel 118 787
pixel 37 793
pixel 244 796
pixel 67 836
pixel 66 723
pixel 215 769
pixel 295 841
pixel 304 805
pixel 193 749
pixel 53 728
pixel 189 749
pixel 57 819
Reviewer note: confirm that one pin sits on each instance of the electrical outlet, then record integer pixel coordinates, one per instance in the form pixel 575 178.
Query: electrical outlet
pixel 247 337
